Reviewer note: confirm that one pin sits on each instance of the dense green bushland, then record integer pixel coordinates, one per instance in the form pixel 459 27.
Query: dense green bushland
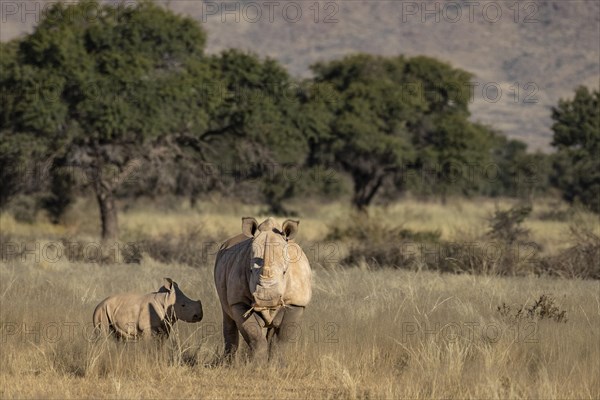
pixel 126 104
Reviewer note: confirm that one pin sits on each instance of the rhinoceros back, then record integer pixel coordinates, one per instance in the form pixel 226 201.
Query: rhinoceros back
pixel 130 315
pixel 230 271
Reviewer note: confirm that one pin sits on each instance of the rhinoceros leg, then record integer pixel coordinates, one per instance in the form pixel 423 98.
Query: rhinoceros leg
pixel 252 331
pixel 286 330
pixel 289 328
pixel 230 335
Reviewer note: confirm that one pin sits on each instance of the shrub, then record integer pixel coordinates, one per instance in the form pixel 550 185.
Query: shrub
pixel 191 248
pixel 381 255
pixel 363 228
pixel 580 260
pixel 556 214
pixel 505 225
pixel 380 244
pixel 103 253
pixel 466 257
pixel 24 209
pixel 542 308
pixel 7 249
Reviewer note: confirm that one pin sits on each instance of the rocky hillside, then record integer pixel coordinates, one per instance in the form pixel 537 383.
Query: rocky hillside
pixel 524 60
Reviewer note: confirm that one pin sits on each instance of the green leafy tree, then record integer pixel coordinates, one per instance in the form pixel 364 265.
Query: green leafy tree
pixel 455 154
pixel 22 162
pixel 99 91
pixel 451 150
pixel 392 115
pixel 61 194
pixel 258 125
pixel 577 141
pixel 369 131
pixel 517 173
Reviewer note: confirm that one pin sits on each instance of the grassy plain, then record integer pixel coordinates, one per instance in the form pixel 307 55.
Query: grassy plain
pixel 368 333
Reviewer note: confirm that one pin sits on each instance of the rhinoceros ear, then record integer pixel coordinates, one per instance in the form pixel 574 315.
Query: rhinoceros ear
pixel 290 228
pixel 169 284
pixel 249 226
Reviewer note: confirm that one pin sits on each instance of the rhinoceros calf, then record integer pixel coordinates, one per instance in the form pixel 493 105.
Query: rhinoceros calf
pixel 263 280
pixel 133 316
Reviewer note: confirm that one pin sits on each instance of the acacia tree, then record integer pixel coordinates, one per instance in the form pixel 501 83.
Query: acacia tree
pixel 454 154
pixel 22 154
pixel 393 114
pixel 449 147
pixel 577 141
pixel 254 131
pixel 100 85
pixel 368 135
pixel 518 173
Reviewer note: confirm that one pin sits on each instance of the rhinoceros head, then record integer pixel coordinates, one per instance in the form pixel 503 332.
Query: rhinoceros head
pixel 183 307
pixel 270 258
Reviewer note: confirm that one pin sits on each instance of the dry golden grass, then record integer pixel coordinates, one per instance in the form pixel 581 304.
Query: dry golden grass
pixel 384 334
pixel 456 220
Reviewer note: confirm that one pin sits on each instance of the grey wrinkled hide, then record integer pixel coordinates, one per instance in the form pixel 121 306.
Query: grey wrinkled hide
pixel 262 267
pixel 134 316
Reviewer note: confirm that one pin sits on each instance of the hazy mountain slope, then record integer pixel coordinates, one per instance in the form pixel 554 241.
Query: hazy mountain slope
pixel 554 45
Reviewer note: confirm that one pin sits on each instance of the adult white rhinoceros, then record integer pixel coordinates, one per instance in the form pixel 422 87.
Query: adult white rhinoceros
pixel 133 316
pixel 263 280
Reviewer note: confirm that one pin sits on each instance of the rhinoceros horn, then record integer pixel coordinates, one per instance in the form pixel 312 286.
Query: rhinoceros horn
pixel 267 261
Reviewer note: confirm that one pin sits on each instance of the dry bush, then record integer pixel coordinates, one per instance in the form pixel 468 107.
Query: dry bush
pixel 504 250
pixel 193 248
pixel 557 214
pixel 93 251
pixel 7 253
pixel 485 256
pixel 362 228
pixel 380 244
pixel 542 308
pixel 506 225
pixel 580 260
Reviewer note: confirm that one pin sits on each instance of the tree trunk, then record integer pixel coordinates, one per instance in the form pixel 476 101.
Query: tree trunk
pixel 365 191
pixel 108 214
pixel 105 186
pixel 444 195
pixel 360 202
